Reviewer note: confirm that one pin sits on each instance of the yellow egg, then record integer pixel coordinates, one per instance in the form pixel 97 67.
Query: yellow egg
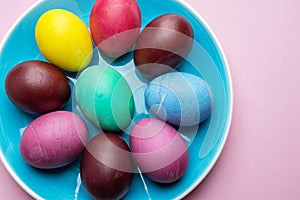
pixel 64 40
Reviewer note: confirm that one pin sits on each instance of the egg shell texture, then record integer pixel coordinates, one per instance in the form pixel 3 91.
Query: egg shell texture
pixel 159 150
pixel 115 25
pixel 163 44
pixel 54 140
pixel 179 98
pixel 106 168
pixel 105 98
pixel 37 87
pixel 64 40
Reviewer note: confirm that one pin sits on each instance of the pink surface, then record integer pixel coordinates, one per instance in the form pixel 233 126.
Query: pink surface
pixel 54 140
pixel 261 157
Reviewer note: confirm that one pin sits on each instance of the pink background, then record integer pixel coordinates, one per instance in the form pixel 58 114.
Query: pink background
pixel 261 157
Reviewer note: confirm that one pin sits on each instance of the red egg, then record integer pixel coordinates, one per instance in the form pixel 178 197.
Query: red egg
pixel 37 87
pixel 115 25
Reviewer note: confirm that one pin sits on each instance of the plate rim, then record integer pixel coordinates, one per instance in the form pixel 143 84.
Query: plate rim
pixel 226 131
pixel 230 97
pixel 5 163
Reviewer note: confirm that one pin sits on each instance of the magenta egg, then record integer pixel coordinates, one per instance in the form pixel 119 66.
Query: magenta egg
pixel 54 140
pixel 159 150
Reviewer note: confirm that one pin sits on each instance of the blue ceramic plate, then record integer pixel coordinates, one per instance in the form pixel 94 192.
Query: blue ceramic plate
pixel 205 145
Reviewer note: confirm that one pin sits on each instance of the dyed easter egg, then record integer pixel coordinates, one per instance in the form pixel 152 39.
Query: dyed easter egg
pixel 54 140
pixel 106 167
pixel 37 87
pixel 115 25
pixel 64 40
pixel 159 150
pixel 179 98
pixel 163 44
pixel 105 98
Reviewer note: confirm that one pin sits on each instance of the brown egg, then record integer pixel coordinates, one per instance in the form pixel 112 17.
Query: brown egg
pixel 162 45
pixel 37 87
pixel 106 168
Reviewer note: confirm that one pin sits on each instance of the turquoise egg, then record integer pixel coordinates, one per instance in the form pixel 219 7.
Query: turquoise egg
pixel 105 98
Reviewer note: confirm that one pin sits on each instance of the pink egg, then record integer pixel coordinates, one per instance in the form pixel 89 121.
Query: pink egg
pixel 54 140
pixel 159 150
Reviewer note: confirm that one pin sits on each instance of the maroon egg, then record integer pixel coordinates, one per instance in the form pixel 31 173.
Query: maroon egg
pixel 37 87
pixel 163 44
pixel 106 167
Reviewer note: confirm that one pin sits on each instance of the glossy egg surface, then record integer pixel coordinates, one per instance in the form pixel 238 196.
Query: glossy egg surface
pixel 106 168
pixel 163 44
pixel 37 87
pixel 64 39
pixel 105 98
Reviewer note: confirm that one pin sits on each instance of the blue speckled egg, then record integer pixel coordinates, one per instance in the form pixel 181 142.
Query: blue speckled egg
pixel 179 98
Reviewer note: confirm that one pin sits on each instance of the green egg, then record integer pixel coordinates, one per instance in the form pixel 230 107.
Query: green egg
pixel 105 98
